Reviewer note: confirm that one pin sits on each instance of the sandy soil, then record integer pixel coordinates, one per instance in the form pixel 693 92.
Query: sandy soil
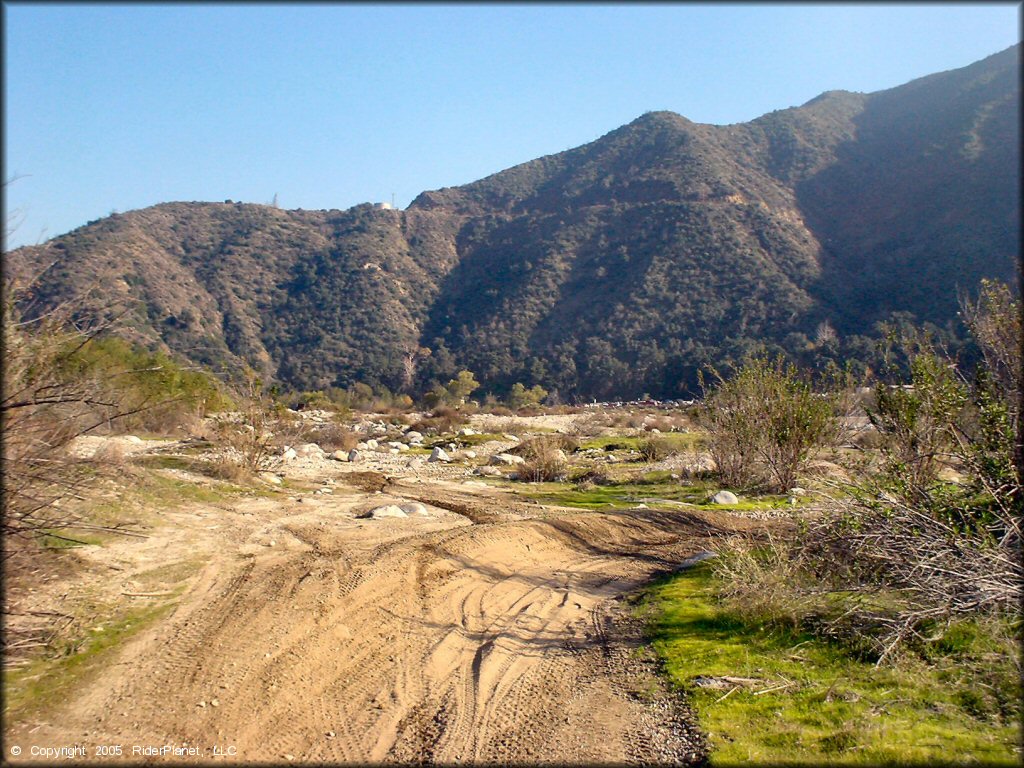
pixel 491 631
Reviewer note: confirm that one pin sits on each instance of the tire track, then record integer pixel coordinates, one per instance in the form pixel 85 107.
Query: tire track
pixel 478 643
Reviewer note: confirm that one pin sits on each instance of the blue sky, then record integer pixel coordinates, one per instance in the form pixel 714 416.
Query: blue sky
pixel 117 107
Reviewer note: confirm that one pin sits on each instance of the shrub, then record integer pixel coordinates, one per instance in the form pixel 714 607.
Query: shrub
pixel 899 551
pixel 545 459
pixel 247 441
pixel 593 476
pixel 62 379
pixel 765 425
pixel 542 445
pixel 441 420
pixel 334 437
pixel 655 449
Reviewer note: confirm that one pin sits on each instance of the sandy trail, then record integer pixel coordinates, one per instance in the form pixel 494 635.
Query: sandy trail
pixel 489 632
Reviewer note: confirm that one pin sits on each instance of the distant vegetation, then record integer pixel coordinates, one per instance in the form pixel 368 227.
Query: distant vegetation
pixel 615 269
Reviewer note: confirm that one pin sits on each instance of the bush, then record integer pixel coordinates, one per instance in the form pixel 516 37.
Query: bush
pixel 62 379
pixel 542 445
pixel 900 552
pixel 545 459
pixel 593 476
pixel 766 424
pixel 656 449
pixel 441 420
pixel 247 441
pixel 334 437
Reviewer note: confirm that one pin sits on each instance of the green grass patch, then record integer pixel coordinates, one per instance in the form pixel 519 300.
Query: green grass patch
pixel 651 488
pixel 68 538
pixel 828 706
pixel 676 441
pixel 33 688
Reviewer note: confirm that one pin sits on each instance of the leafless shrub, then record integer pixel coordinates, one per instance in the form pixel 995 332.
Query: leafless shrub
pixel 47 401
pixel 335 437
pixel 248 440
pixel 500 426
pixel 544 444
pixel 762 580
pixel 441 420
pixel 545 458
pixel 941 568
pixel 110 453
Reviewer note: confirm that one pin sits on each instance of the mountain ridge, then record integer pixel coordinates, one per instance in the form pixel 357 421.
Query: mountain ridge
pixel 617 267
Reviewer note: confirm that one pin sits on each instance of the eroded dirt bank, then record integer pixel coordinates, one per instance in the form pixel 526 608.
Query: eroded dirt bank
pixel 491 631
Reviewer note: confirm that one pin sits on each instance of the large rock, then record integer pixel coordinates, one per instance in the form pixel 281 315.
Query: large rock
pixel 339 456
pixel 507 459
pixel 438 454
pixel 414 508
pixel 288 454
pixel 413 436
pixel 467 432
pixel 371 444
pixel 307 450
pixel 353 455
pixel 487 471
pixel 388 510
pixel 724 497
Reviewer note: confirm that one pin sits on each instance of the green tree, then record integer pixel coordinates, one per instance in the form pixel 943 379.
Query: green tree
pixel 461 387
pixel 521 397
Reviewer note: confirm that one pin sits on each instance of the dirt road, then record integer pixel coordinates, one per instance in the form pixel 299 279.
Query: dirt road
pixel 491 631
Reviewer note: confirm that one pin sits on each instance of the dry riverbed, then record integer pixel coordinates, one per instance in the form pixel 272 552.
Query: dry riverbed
pixel 491 629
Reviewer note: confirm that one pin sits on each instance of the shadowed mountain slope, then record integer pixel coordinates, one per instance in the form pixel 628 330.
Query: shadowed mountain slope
pixel 613 269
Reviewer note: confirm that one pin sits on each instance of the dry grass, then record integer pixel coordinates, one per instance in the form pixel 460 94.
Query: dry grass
pixel 545 458
pixel 442 420
pixel 111 453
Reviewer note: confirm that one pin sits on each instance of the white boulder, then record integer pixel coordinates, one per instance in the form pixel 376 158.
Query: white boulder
pixel 724 497
pixel 507 459
pixel 438 454
pixel 414 508
pixel 387 510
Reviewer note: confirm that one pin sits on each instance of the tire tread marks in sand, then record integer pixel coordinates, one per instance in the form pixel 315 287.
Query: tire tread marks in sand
pixel 480 643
